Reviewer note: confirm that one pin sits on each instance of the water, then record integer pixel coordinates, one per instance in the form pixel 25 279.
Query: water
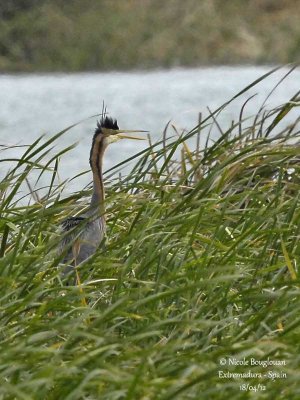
pixel 32 105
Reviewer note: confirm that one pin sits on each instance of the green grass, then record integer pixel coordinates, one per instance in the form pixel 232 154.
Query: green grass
pixel 201 264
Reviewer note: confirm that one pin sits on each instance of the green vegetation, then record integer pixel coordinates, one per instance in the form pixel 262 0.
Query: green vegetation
pixel 200 265
pixel 56 35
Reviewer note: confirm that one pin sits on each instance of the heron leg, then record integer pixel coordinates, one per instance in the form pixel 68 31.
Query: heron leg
pixel 76 250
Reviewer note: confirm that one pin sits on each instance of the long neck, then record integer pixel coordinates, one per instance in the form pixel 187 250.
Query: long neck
pixel 96 158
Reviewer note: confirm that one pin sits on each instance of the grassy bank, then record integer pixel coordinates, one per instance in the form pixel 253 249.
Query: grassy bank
pixel 200 266
pixel 103 35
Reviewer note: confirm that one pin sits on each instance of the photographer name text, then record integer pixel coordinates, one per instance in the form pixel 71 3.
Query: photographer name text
pixel 252 362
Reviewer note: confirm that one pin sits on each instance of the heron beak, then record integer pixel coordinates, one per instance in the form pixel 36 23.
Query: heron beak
pixel 120 134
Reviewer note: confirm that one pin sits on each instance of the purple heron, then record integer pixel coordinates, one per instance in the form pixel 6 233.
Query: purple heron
pixel 83 234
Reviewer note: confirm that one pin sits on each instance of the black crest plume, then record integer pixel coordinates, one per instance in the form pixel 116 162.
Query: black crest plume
pixel 108 123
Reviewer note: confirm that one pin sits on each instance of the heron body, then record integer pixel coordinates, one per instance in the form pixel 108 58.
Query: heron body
pixel 85 240
pixel 83 234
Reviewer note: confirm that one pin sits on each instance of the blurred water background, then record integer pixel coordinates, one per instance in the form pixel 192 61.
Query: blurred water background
pixel 36 104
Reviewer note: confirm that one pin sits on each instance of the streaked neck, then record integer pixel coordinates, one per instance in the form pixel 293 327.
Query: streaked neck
pixel 96 159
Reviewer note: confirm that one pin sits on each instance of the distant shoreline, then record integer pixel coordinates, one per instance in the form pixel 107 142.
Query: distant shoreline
pixel 142 70
pixel 124 35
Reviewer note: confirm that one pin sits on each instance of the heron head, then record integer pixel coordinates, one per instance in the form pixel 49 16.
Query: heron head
pixel 109 129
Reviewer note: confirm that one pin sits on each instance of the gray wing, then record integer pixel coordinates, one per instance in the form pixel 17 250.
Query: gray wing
pixel 85 236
